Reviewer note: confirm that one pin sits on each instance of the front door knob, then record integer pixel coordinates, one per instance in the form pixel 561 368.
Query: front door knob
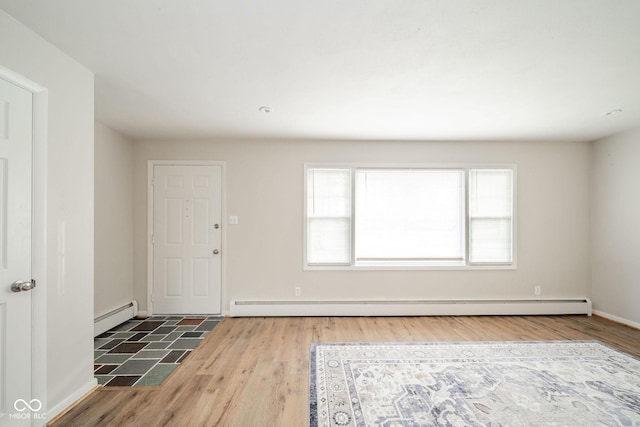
pixel 216 252
pixel 23 285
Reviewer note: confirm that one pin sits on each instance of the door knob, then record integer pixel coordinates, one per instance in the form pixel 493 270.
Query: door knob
pixel 216 252
pixel 23 285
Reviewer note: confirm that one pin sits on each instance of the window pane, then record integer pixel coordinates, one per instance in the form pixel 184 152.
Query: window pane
pixel 329 193
pixel 409 214
pixel 328 241
pixel 490 192
pixel 491 240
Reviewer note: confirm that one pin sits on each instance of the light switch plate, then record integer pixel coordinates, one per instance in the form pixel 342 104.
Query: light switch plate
pixel 233 220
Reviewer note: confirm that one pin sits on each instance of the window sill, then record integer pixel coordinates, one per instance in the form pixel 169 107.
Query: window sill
pixel 396 267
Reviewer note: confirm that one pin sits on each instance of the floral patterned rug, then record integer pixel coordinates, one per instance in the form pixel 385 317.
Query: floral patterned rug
pixel 559 383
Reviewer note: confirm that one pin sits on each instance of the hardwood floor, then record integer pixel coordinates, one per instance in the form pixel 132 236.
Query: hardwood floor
pixel 254 371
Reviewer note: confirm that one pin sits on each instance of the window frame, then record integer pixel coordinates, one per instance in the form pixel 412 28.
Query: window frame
pixel 465 264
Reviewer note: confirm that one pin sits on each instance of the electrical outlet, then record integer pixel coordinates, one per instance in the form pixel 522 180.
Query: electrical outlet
pixel 298 291
pixel 537 290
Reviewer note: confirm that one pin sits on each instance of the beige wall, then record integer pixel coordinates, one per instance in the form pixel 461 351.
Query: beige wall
pixel 615 208
pixel 113 284
pixel 263 254
pixel 69 208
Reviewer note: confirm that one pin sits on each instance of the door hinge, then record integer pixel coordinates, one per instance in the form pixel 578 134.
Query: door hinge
pixel 152 298
pixel 153 239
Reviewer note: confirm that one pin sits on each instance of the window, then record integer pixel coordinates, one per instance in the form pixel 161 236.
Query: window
pixel 329 216
pixel 409 216
pixel 490 215
pixel 368 217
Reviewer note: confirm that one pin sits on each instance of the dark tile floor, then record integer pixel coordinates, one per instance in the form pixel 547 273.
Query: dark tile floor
pixel 144 352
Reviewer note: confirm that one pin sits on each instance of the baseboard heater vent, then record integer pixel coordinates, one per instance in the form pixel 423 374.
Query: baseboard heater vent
pixel 520 307
pixel 114 318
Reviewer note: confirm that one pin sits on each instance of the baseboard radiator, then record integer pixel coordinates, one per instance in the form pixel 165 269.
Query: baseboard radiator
pixel 247 308
pixel 114 318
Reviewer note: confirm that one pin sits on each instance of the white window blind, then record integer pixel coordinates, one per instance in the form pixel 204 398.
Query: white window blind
pixel 409 215
pixel 490 215
pixel 328 216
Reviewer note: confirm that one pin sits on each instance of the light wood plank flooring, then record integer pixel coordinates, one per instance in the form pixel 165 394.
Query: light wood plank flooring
pixel 254 371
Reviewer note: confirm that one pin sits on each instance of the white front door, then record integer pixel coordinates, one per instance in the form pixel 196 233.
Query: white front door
pixel 16 405
pixel 187 221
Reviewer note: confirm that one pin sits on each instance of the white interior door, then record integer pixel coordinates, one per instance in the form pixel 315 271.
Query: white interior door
pixel 187 221
pixel 16 406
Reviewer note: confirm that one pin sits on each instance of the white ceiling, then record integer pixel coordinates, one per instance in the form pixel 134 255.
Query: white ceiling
pixel 357 69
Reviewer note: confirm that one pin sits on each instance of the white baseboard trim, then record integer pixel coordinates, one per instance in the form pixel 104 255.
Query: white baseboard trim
pixel 71 399
pixel 617 319
pixel 245 308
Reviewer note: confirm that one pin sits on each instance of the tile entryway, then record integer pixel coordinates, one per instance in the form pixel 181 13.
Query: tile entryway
pixel 144 352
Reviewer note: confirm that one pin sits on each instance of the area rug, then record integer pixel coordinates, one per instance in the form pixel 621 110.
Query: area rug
pixel 559 383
